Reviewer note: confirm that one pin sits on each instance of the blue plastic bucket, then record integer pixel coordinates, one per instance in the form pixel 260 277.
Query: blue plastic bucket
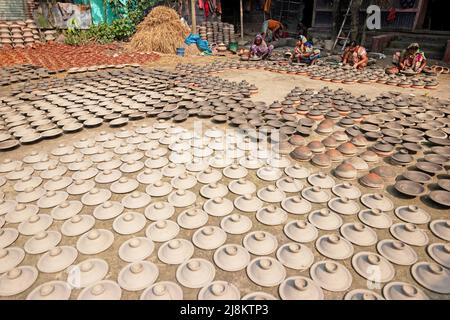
pixel 180 52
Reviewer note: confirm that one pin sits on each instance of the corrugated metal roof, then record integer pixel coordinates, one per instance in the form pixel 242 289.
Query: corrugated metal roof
pixel 12 10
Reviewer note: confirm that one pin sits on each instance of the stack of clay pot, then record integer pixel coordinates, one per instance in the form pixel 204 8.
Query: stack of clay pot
pixel 202 32
pixel 50 35
pixel 18 34
pixel 217 32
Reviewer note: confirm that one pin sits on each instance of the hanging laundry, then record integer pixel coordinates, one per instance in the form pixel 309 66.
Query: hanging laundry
pixel 219 7
pixel 206 8
pixel 267 5
pixel 391 15
pixel 200 4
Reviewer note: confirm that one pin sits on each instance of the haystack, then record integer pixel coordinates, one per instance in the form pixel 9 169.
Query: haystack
pixel 161 31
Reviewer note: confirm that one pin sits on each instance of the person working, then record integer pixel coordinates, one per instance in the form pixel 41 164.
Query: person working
pixel 259 48
pixel 272 29
pixel 412 58
pixel 356 55
pixel 304 51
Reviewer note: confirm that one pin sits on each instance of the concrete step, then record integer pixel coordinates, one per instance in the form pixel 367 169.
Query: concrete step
pixel 426 46
pixel 436 55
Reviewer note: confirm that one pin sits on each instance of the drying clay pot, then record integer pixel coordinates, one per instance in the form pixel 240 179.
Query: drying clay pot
pixel 316 194
pixel 192 218
pixel 271 215
pixel 346 190
pixel 334 247
pixel 300 288
pixel 441 228
pixel 266 271
pixel 137 275
pixel 35 224
pixel 377 201
pixel 403 291
pixel 365 262
pixel 108 210
pixel 195 273
pixel 412 214
pixel 440 253
pixel 129 223
pixel 8 236
pixel 158 188
pixel 42 242
pixel 102 290
pixel 343 206
pixel 136 249
pixel 325 219
pixel 162 230
pixel 300 231
pixel 218 207
pixel 432 276
pixel 296 205
pixel 362 294
pixel 231 257
pixel 87 272
pixel 10 258
pixel 77 225
pixel 95 241
pixel 375 218
pixel 17 280
pixel 52 290
pixel 209 237
pixel 182 198
pixel 295 256
pixel 95 196
pixel 164 290
pixel 397 252
pixel 242 186
pixel 409 233
pixel 236 224
pixel 331 276
pixel 57 259
pixel 260 243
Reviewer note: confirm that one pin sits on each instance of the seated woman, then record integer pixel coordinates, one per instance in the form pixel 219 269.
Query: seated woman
pixel 259 48
pixel 356 55
pixel 304 52
pixel 412 58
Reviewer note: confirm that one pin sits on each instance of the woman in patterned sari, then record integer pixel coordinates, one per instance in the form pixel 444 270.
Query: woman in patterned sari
pixel 412 58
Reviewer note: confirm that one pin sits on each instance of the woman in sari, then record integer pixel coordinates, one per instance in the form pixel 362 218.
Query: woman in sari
pixel 412 58
pixel 259 48
pixel 355 55
pixel 304 51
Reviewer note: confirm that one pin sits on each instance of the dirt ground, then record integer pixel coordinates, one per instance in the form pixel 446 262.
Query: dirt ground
pixel 272 86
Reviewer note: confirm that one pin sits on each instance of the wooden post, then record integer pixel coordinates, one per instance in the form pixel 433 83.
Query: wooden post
pixel 193 18
pixel 242 20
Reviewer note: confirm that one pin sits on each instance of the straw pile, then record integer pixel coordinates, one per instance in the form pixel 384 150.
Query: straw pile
pixel 161 31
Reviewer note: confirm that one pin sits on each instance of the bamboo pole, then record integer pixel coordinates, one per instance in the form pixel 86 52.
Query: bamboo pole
pixel 242 20
pixel 193 17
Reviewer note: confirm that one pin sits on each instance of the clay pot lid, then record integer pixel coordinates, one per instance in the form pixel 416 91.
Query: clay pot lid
pixel 62 149
pixel 52 290
pixel 162 230
pixel 8 236
pixel 197 165
pixel 149 176
pixel 359 234
pixel 235 171
pixel 260 243
pixel 164 290
pixel 300 288
pixel 331 276
pixel 377 201
pixel 441 197
pixel 95 241
pixel 96 196
pixel 87 272
pixel 137 275
pixel 195 273
pixel 19 172
pixel 175 251
pixel 10 258
pixel 325 219
pixel 77 225
pixel 346 190
pixel 315 194
pixel 209 237
pixel 231 257
pixel 436 158
pixel 108 176
pixel 181 198
pixel 444 184
pixel 236 224
pixel 129 223
pixel 131 166
pixel 8 165
pixel 409 233
pixel 35 224
pixel 432 276
pixel 429 167
pixel 218 206
pixel 278 161
pixel 42 242
pixel 21 212
pixel 271 215
pixel 136 200
pixel 362 294
pixel 183 181
pixel 57 259
pixel 271 194
pixel 31 158
pixel 397 252
pixel 101 290
pixel 412 214
pixel 66 210
pixel 322 180
pixel 295 256
pixel 403 291
pixel 441 228
pixel 209 175
pixel 57 183
pixel 108 210
pixel 259 295
pixel 159 210
pixel 85 173
pixel 440 252
pixel 269 173
pixel 334 247
pixel 242 186
pixel 344 206
pixel 372 180
pixel 417 176
pixel 219 290
pixel 266 271
pixel 17 280
pixel 248 203
pixel 251 162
